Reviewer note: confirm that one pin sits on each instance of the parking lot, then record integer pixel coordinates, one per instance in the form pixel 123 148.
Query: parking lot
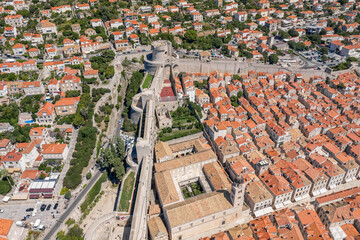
pixel 312 55
pixel 128 141
pixel 315 56
pixel 16 211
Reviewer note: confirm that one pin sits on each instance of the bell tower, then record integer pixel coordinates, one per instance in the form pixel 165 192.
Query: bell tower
pixel 237 192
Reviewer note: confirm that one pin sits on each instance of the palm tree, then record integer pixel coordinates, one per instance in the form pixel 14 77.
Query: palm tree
pixel 5 174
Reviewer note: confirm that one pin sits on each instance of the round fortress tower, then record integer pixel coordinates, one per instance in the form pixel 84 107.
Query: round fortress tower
pixel 160 56
pixel 160 51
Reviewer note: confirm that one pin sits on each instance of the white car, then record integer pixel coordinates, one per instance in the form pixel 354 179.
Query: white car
pixel 1 210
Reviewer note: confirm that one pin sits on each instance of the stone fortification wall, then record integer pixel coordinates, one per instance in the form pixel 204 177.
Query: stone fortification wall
pixel 239 67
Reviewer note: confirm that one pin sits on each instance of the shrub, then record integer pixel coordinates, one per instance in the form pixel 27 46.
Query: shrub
pixel 70 221
pixel 68 195
pixel 64 190
pixel 88 175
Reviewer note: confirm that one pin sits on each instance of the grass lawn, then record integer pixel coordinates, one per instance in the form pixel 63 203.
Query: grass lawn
pixel 127 193
pixel 178 134
pixel 147 81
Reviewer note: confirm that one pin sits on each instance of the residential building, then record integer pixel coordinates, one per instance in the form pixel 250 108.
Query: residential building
pixel 66 106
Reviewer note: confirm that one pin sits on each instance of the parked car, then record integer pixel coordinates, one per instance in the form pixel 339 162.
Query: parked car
pixel 56 205
pixel 48 207
pixel 1 210
pixel 42 208
pixel 29 209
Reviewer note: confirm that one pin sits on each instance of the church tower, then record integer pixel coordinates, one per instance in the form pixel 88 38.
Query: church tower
pixel 237 192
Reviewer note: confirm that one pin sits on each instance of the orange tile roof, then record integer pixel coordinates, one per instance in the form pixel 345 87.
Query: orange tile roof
pixel 30 173
pixel 338 195
pixel 67 101
pixel 5 225
pixel 4 142
pixel 37 131
pixel 48 109
pixel 53 148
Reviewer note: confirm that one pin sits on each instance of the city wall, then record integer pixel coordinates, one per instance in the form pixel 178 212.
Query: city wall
pixel 239 67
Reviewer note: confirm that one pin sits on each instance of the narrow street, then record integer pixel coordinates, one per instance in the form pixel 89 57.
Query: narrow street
pixel 113 125
pixel 66 167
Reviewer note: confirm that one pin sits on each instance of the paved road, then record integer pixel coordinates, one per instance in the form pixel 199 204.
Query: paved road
pixel 73 205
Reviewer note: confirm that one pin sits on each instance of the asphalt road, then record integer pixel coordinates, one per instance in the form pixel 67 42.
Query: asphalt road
pixel 73 205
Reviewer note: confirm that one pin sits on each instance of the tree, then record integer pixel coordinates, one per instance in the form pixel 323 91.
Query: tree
pixel 72 93
pixel 293 33
pixel 109 73
pixel 324 50
pixel 118 169
pixel 68 195
pixel 324 58
pixel 217 42
pixel 120 147
pixel 225 50
pixel 5 187
pixel 234 101
pixel 78 120
pixel 88 175
pixel 237 77
pixel 191 36
pixel 322 32
pixel 283 34
pixel 75 233
pixel 33 9
pixel 315 38
pixel 42 176
pixel 273 59
pixel 112 160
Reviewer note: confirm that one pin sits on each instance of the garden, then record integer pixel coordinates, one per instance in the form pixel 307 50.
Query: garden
pixel 192 190
pixel 184 123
